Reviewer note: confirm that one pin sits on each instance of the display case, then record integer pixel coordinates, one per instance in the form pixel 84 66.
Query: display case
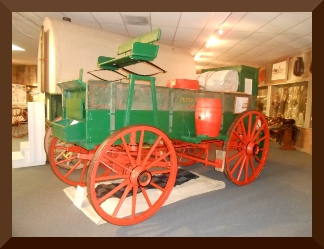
pixel 290 100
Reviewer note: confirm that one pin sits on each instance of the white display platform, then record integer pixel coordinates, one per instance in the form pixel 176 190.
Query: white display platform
pixel 189 188
pixel 32 152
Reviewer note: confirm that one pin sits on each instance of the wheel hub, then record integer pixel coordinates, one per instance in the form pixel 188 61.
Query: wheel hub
pixel 252 149
pixel 140 176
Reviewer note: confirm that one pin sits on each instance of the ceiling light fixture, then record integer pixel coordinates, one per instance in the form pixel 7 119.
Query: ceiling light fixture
pixel 211 41
pixel 14 47
pixel 66 19
pixel 197 56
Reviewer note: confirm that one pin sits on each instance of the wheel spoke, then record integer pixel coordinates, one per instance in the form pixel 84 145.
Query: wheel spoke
pixel 151 149
pixel 67 160
pixel 147 198
pixel 249 126
pixel 252 165
pixel 134 200
pixel 246 173
pixel 239 137
pixel 117 163
pixel 110 178
pixel 115 190
pixel 256 158
pixel 72 169
pixel 140 146
pixel 255 126
pixel 84 170
pixel 241 168
pixel 258 132
pixel 122 199
pixel 261 139
pixel 235 155
pixel 131 159
pixel 159 172
pixel 105 166
pixel 157 186
pixel 243 129
pixel 237 163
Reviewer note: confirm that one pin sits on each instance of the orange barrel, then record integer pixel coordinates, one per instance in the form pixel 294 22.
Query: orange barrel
pixel 208 116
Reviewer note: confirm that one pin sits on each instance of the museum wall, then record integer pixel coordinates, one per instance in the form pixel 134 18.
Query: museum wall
pixel 73 46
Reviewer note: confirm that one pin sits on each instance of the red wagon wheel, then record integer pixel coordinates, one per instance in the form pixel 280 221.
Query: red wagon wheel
pixel 65 163
pixel 19 122
pixel 49 136
pixel 247 147
pixel 142 167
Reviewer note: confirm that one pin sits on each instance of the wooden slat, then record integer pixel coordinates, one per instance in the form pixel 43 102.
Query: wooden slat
pixel 146 38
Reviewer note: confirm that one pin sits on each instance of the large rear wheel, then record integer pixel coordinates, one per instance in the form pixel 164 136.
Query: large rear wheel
pixel 141 167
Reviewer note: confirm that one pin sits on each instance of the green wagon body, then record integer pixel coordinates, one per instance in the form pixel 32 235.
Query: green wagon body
pixel 94 110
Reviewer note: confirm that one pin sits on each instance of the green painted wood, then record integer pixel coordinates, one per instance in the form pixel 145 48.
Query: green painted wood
pixel 74 108
pixel 149 37
pixel 138 49
pixel 140 52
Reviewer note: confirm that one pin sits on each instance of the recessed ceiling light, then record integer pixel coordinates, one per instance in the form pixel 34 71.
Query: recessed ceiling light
pixel 14 47
pixel 211 41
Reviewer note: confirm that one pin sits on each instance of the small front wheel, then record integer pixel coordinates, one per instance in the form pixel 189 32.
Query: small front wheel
pixel 247 147
pixel 65 163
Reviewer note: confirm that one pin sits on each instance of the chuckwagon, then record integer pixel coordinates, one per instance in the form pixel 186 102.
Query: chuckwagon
pixel 129 138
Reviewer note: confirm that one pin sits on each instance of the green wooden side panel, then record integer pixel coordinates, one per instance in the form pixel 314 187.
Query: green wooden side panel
pixel 143 117
pixel 74 108
pixel 150 37
pixel 183 124
pixel 98 127
pixel 69 130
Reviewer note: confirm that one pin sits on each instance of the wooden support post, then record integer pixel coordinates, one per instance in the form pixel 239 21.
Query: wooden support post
pixel 287 142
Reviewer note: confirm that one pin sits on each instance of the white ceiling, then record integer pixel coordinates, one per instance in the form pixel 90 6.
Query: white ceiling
pixel 249 38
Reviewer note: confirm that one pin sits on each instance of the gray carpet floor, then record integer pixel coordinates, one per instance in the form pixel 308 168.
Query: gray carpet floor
pixel 277 204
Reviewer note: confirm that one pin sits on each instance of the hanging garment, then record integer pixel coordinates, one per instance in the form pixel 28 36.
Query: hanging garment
pixel 299 66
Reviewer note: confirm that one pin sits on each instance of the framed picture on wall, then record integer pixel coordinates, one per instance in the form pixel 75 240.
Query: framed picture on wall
pixel 279 71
